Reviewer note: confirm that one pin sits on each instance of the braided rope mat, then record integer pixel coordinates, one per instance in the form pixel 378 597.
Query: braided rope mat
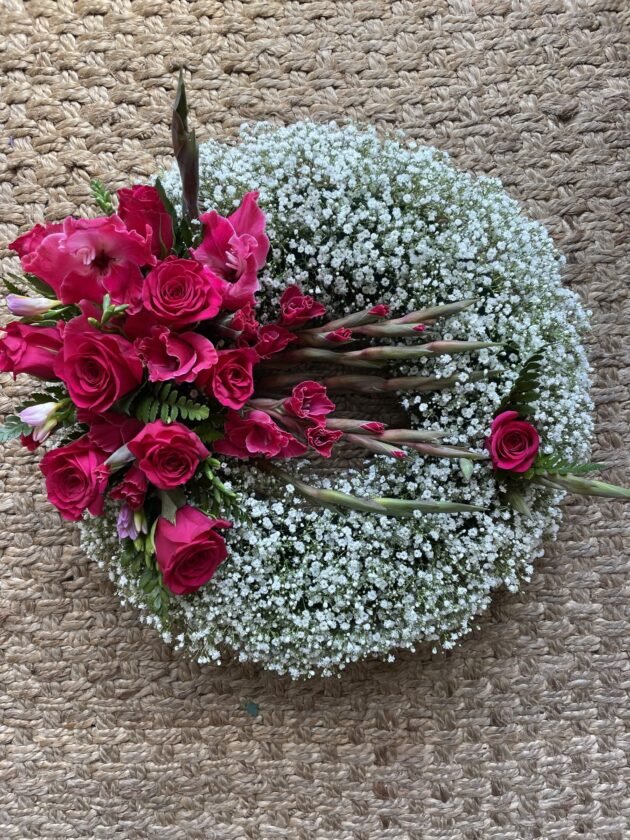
pixel 519 733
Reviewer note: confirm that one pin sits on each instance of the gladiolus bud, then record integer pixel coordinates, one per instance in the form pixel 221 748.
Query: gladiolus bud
pixel 36 415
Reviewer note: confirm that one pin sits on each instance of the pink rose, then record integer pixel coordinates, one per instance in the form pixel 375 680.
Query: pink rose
pixel 140 207
pixel 180 357
pixel 110 430
pixel 87 257
pixel 513 443
pixel 97 368
pixel 272 339
pixel 322 439
pixel 189 552
pixel 73 480
pixel 235 249
pixel 168 454
pixel 179 292
pixel 132 489
pixel 296 309
pixel 28 349
pixel 256 434
pixel 231 380
pixel 309 400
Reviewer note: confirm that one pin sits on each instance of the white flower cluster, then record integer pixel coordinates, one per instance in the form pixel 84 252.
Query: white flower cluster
pixel 357 220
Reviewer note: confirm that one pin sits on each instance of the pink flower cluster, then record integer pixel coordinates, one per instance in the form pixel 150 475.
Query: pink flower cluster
pixel 128 308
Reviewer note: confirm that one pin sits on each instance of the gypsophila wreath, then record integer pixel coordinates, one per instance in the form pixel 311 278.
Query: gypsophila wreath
pixel 319 413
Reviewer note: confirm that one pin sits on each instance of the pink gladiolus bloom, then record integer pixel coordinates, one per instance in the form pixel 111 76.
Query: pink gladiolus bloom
pixel 235 249
pixel 87 256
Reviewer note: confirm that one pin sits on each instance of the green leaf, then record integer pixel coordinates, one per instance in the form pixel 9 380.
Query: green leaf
pixel 12 288
pixel 517 501
pixel 102 196
pixel 40 286
pixel 171 501
pixel 12 428
pixel 525 390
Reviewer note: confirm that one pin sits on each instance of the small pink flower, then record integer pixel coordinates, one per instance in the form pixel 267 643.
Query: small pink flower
pixel 323 439
pixel 375 427
pixel 256 434
pixel 340 335
pixel 296 309
pixel 381 310
pixel 235 249
pixel 272 339
pixel 132 489
pixel 180 357
pixel 513 443
pixel 309 400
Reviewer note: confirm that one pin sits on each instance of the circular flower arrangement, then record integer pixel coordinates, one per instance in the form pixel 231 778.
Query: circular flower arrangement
pixel 250 490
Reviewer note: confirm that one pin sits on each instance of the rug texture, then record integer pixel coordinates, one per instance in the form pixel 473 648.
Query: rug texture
pixel 520 733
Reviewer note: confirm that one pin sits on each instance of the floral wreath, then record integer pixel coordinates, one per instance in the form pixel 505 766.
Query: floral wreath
pixel 207 375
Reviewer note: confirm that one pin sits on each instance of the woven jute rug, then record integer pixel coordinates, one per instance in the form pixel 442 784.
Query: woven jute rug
pixel 519 733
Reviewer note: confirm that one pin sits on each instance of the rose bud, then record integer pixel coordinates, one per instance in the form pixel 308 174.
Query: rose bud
pixel 296 309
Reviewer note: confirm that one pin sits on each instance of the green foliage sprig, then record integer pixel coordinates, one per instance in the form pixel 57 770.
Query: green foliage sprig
pixel 102 196
pixel 12 428
pixel 526 389
pixel 169 404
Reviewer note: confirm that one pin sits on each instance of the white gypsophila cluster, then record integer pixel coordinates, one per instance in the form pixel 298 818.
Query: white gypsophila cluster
pixel 356 220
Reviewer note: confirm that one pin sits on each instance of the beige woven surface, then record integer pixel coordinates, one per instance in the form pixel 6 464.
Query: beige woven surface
pixel 518 734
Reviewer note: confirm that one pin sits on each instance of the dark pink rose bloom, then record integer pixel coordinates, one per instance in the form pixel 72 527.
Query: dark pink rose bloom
pixel 189 552
pixel 235 249
pixel 140 207
pixel 513 443
pixel 231 380
pixel 88 257
pixel 179 357
pixel 73 481
pixel 32 239
pixel 309 400
pixel 296 309
pixel 167 453
pixel 29 349
pixel 272 339
pixel 322 439
pixel 256 434
pixel 109 430
pixel 97 368
pixel 180 292
pixel 132 489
